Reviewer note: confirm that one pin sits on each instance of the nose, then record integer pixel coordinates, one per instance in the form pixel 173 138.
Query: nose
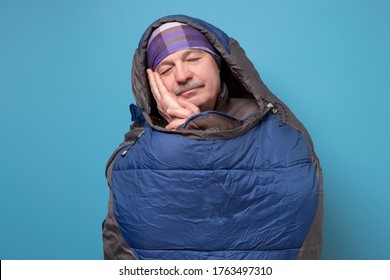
pixel 183 73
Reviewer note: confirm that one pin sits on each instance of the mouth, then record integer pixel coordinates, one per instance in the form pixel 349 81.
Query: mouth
pixel 187 88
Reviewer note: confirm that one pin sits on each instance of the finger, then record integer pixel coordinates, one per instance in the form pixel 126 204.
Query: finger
pixel 153 85
pixel 163 92
pixel 179 112
pixel 188 105
pixel 167 100
pixel 175 124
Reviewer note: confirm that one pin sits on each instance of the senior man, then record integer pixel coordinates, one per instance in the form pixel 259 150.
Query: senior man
pixel 214 166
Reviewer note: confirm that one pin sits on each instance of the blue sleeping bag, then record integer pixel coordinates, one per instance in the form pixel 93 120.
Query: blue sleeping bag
pixel 250 197
pixel 248 187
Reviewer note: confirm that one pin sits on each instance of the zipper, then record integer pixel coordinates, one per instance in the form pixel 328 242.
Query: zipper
pixel 272 107
pixel 124 153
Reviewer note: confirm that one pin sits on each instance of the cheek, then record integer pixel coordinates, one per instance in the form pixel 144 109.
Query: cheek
pixel 168 83
pixel 215 83
pixel 213 76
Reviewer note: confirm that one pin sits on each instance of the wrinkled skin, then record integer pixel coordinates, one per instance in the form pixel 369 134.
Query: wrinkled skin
pixel 183 84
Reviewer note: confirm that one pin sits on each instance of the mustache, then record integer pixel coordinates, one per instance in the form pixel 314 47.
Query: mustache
pixel 188 86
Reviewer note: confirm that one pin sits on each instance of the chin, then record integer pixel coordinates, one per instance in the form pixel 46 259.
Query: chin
pixel 203 105
pixel 195 101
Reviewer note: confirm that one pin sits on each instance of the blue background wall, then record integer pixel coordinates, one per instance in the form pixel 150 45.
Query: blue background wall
pixel 65 90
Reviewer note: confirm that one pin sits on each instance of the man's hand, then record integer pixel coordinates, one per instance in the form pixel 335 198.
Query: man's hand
pixel 174 109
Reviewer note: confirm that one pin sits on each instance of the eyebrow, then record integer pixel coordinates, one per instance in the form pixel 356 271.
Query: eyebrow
pixel 183 55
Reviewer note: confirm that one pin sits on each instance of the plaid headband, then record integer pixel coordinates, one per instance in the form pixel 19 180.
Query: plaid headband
pixel 174 36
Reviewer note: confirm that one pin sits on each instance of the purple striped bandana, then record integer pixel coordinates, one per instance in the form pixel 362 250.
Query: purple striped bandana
pixel 174 36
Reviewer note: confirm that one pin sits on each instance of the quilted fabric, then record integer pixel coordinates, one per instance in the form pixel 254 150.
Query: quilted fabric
pixel 251 197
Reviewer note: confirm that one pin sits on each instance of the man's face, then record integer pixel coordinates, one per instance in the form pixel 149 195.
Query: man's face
pixel 192 74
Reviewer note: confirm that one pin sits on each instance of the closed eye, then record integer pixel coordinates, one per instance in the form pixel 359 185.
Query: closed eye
pixel 165 71
pixel 193 59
